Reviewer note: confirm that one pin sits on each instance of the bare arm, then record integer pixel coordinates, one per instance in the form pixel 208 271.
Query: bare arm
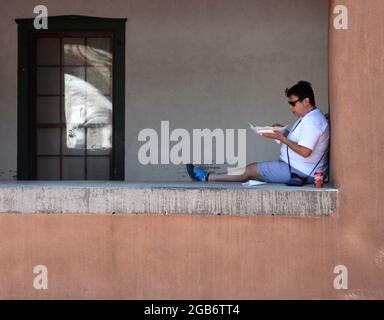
pixel 303 151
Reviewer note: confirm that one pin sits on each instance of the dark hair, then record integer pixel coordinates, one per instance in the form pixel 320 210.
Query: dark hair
pixel 302 90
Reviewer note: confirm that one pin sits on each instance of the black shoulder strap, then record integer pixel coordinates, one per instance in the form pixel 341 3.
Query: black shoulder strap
pixel 289 162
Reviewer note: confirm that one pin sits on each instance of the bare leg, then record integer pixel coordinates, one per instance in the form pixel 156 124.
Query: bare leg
pixel 249 173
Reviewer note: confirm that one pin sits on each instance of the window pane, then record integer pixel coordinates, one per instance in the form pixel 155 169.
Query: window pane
pixel 99 44
pixel 100 78
pixel 98 168
pixel 78 72
pixel 48 110
pixel 48 51
pixel 74 84
pixel 73 141
pixel 73 168
pixel 98 111
pixel 48 141
pixel 99 52
pixel 74 110
pixel 48 80
pixel 99 140
pixel 48 168
pixel 74 51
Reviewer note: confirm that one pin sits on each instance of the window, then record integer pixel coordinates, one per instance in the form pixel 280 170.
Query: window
pixel 71 99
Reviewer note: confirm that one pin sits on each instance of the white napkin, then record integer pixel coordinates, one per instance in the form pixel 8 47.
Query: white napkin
pixel 251 183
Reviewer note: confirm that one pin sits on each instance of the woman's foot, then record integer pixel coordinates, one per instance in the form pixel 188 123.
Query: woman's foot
pixel 197 173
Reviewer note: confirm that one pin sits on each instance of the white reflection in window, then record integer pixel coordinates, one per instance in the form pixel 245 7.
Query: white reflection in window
pixel 86 107
pixel 77 54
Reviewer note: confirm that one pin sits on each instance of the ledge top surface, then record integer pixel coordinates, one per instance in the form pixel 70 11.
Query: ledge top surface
pixel 159 185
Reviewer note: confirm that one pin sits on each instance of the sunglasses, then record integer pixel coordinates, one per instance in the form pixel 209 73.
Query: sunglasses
pixel 293 103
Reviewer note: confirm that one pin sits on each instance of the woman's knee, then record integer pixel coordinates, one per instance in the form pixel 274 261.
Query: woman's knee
pixel 250 169
pixel 253 172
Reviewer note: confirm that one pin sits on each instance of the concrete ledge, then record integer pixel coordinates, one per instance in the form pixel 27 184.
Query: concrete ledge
pixel 165 198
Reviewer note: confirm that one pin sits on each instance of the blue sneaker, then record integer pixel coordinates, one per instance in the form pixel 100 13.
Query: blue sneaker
pixel 197 173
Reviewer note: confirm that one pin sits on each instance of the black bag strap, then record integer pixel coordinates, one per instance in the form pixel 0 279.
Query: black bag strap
pixel 289 162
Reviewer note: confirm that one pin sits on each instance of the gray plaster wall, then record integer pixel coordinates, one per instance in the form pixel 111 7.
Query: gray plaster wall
pixel 198 64
pixel 188 198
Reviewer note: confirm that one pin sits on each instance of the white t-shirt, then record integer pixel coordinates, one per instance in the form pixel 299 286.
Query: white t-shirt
pixel 313 133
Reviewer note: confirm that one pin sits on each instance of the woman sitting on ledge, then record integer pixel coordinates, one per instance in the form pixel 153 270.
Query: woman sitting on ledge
pixel 303 150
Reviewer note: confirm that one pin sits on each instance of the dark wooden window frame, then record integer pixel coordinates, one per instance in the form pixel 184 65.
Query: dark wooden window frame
pixel 35 125
pixel 59 24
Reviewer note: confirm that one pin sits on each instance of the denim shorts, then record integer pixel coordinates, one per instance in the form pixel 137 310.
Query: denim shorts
pixel 277 171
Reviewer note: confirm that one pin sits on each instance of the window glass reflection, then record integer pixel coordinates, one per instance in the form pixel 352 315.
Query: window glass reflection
pixel 87 95
pixel 73 103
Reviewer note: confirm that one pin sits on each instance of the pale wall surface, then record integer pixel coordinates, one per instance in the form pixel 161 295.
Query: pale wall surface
pixel 228 258
pixel 198 64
